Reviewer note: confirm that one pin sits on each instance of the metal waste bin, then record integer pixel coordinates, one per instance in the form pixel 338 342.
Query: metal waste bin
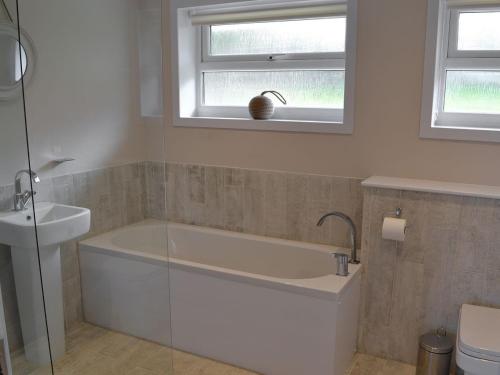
pixel 434 353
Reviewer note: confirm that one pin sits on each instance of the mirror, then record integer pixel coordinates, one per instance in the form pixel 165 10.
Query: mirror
pixel 16 60
pixel 13 61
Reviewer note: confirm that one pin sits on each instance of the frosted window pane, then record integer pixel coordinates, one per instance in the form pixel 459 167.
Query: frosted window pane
pixel 479 31
pixel 301 36
pixel 317 89
pixel 472 92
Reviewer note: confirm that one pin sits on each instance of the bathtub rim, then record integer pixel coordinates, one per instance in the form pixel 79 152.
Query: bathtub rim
pixel 329 287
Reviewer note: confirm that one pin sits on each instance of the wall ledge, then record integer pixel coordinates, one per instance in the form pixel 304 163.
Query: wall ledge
pixel 437 187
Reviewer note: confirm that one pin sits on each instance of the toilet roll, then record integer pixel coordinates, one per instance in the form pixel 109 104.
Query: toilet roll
pixel 394 229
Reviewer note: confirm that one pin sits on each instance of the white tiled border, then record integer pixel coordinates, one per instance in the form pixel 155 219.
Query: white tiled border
pixel 438 187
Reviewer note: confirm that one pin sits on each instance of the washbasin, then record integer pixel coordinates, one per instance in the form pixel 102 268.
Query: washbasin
pixel 56 223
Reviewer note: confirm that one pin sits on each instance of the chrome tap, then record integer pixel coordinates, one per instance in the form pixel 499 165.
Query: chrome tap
pixel 352 226
pixel 21 199
pixel 342 264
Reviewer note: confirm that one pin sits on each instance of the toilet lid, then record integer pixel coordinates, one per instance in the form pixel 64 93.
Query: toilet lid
pixel 479 332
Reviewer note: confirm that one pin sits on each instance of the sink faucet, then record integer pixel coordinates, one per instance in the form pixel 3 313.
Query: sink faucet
pixel 352 226
pixel 21 199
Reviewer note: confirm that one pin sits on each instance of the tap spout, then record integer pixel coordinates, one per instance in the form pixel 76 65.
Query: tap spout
pixel 353 231
pixel 21 198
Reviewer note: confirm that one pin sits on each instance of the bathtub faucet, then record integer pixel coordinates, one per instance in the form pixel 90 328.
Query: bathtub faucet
pixel 352 226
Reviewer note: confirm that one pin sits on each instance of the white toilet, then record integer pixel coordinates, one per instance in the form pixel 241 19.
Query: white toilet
pixel 478 340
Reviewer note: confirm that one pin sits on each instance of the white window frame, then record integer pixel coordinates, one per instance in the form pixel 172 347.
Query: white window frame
pixel 302 61
pixel 187 95
pixel 441 54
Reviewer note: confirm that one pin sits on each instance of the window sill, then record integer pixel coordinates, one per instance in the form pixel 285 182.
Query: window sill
pixel 464 127
pixel 462 133
pixel 264 125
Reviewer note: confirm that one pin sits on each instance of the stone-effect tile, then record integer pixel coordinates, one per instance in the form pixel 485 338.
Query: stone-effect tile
pixel 92 350
pixel 63 190
pixel 369 365
pixel 346 196
pixel 275 214
pixel 296 197
pixel 214 197
pixel 155 178
pixel 275 204
pixel 379 277
pixel 414 207
pixel 196 184
pixel 320 202
pixel 439 267
pixel 407 311
pixel 179 197
pixel 6 197
pixel 233 199
pixel 95 351
pixel 254 202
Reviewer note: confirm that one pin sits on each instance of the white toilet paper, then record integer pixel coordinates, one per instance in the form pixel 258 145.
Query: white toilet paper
pixel 394 229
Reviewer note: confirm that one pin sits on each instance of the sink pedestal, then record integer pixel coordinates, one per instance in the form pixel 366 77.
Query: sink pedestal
pixel 55 224
pixel 30 301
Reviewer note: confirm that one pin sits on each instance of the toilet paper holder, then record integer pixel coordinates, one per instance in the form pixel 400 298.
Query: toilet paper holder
pixel 394 226
pixel 398 212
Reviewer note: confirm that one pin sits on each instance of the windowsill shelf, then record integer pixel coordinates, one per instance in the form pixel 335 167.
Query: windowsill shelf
pixel 474 134
pixel 436 187
pixel 300 126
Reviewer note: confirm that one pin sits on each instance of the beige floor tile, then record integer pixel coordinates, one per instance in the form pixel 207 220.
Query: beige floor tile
pixel 369 365
pixel 96 351
pixel 91 350
pixel 366 365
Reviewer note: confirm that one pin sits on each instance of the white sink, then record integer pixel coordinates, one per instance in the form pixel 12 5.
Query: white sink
pixel 56 223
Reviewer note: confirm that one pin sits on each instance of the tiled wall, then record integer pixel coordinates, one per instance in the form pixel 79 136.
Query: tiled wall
pixel 116 198
pixel 275 204
pixel 451 256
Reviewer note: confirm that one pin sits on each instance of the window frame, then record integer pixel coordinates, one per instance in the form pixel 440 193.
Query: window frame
pixel 322 120
pixel 206 41
pixel 262 62
pixel 442 55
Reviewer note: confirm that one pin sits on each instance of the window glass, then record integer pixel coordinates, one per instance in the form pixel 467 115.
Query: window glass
pixel 296 36
pixel 479 31
pixel 309 88
pixel 472 92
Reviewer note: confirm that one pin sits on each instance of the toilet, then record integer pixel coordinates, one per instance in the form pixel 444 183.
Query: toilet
pixel 478 340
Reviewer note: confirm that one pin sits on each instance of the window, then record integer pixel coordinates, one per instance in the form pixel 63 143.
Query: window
pixel 243 48
pixel 462 78
pixel 290 56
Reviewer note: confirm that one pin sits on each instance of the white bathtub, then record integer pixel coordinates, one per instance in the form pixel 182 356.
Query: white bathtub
pixel 272 306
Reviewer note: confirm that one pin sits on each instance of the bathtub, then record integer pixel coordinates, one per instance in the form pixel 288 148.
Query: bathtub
pixel 268 305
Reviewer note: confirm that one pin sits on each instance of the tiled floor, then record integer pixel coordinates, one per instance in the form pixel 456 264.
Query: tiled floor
pixel 92 350
pixel 367 365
